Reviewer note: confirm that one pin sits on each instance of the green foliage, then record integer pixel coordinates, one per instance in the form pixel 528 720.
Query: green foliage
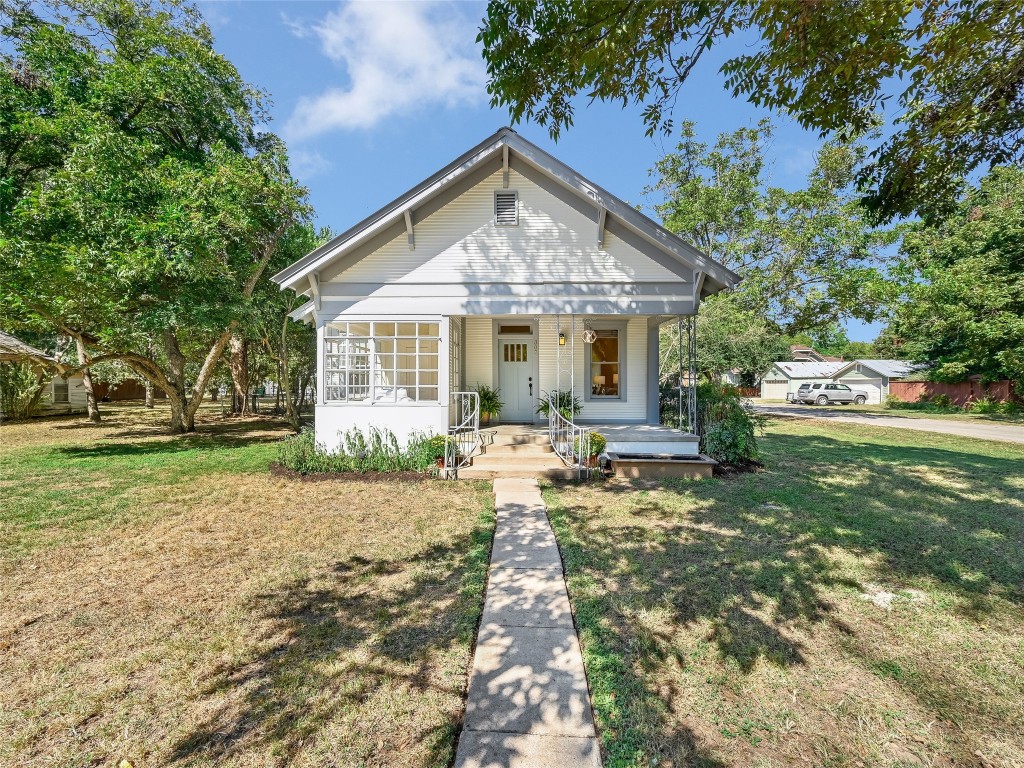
pixel 490 399
pixel 21 389
pixel 728 430
pixel 568 404
pixel 950 70
pixel 964 286
pixel 379 451
pixel 807 257
pixel 598 443
pixel 140 200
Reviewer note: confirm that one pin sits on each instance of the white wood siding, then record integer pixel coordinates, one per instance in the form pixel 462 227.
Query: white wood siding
pixel 479 351
pixel 634 406
pixel 460 244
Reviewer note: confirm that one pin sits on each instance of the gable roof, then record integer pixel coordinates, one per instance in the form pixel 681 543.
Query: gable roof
pixel 13 348
pixel 893 369
pixel 506 144
pixel 807 370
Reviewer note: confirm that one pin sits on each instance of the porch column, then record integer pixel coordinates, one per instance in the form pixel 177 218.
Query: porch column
pixel 653 368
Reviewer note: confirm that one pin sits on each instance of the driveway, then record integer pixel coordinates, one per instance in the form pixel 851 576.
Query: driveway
pixel 982 430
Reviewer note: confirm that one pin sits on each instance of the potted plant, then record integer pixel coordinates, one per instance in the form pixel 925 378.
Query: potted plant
pixel 490 403
pixel 597 445
pixel 568 404
pixel 436 446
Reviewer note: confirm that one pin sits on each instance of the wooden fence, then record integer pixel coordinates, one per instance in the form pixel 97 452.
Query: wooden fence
pixel 129 389
pixel 960 393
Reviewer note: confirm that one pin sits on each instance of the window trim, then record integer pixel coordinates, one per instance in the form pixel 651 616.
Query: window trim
pixel 623 329
pixel 441 339
pixel 497 194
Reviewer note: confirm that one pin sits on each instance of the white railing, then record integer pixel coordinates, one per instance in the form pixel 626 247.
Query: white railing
pixel 570 441
pixel 463 432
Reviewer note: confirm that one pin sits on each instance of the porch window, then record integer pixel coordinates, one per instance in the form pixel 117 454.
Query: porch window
pixel 381 362
pixel 605 364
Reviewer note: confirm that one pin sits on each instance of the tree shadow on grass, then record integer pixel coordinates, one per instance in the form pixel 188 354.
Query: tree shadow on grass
pixel 339 648
pixel 750 559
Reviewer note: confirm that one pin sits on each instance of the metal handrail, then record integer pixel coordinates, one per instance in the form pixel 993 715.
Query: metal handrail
pixel 570 441
pixel 463 437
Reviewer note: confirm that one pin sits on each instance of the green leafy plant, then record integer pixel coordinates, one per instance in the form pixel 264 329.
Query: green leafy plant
pixel 728 429
pixel 376 451
pixel 490 399
pixel 21 390
pixel 568 404
pixel 597 444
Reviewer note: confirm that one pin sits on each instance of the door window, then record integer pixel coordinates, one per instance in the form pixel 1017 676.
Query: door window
pixel 515 352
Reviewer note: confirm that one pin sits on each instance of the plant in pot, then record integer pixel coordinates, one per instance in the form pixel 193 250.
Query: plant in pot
pixel 490 403
pixel 568 404
pixel 597 445
pixel 436 446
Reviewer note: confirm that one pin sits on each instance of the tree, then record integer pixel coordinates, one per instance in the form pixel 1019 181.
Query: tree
pixel 808 258
pixel 964 307
pixel 139 205
pixel 953 68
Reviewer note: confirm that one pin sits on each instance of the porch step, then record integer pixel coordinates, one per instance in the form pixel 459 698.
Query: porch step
pixel 553 473
pixel 526 462
pixel 519 438
pixel 518 449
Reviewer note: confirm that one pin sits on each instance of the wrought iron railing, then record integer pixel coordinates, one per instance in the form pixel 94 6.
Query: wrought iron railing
pixel 570 441
pixel 463 432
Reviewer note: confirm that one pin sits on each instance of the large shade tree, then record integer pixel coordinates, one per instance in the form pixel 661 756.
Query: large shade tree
pixel 139 203
pixel 952 70
pixel 807 257
pixel 963 312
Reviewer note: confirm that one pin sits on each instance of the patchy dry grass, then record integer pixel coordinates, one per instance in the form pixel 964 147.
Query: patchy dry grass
pixel 165 600
pixel 858 603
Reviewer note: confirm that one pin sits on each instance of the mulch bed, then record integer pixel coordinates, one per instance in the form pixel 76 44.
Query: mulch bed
pixel 357 477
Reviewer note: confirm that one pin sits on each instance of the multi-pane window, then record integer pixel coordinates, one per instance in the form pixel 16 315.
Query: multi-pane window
pixel 60 390
pixel 381 362
pixel 604 364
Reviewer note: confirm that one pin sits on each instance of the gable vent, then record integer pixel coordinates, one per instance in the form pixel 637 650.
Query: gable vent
pixel 506 209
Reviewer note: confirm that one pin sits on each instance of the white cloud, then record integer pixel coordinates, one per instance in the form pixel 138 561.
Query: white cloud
pixel 398 56
pixel 306 163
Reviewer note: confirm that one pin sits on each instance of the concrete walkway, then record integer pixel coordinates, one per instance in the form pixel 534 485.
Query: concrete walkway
pixel 528 703
pixel 978 429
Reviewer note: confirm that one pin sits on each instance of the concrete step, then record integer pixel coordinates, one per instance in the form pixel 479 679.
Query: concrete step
pixel 519 449
pixel 475 473
pixel 527 438
pixel 528 461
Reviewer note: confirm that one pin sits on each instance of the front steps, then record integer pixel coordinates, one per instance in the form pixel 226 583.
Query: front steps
pixel 523 453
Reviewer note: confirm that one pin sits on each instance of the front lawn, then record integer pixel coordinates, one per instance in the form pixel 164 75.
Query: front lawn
pixel 165 600
pixel 860 602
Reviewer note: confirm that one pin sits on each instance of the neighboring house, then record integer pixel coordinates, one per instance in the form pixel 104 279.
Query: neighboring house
pixel 801 353
pixel 495 271
pixel 784 378
pixel 62 395
pixel 874 376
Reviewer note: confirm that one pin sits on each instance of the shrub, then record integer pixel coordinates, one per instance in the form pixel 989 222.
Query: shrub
pixel 985 405
pixel 728 428
pixel 21 390
pixel 378 451
pixel 894 403
pixel 942 401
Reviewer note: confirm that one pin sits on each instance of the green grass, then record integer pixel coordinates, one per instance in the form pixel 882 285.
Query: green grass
pixel 742 621
pixel 167 601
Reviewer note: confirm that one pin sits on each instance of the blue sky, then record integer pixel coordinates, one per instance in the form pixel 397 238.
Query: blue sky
pixel 373 97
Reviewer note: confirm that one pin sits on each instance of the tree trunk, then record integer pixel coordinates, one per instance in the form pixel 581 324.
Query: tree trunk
pixel 149 394
pixel 177 396
pixel 90 393
pixel 239 364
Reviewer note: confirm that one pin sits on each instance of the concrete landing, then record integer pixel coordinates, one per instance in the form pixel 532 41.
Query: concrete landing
pixel 528 704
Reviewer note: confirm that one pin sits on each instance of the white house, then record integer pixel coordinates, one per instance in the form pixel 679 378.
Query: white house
pixel 784 378
pixel 873 376
pixel 61 395
pixel 505 268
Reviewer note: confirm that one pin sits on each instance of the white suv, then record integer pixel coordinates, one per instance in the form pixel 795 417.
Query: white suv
pixel 825 394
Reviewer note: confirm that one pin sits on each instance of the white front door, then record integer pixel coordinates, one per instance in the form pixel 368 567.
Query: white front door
pixel 516 379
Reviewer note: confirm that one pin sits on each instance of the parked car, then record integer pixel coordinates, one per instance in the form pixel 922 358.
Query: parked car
pixel 826 394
